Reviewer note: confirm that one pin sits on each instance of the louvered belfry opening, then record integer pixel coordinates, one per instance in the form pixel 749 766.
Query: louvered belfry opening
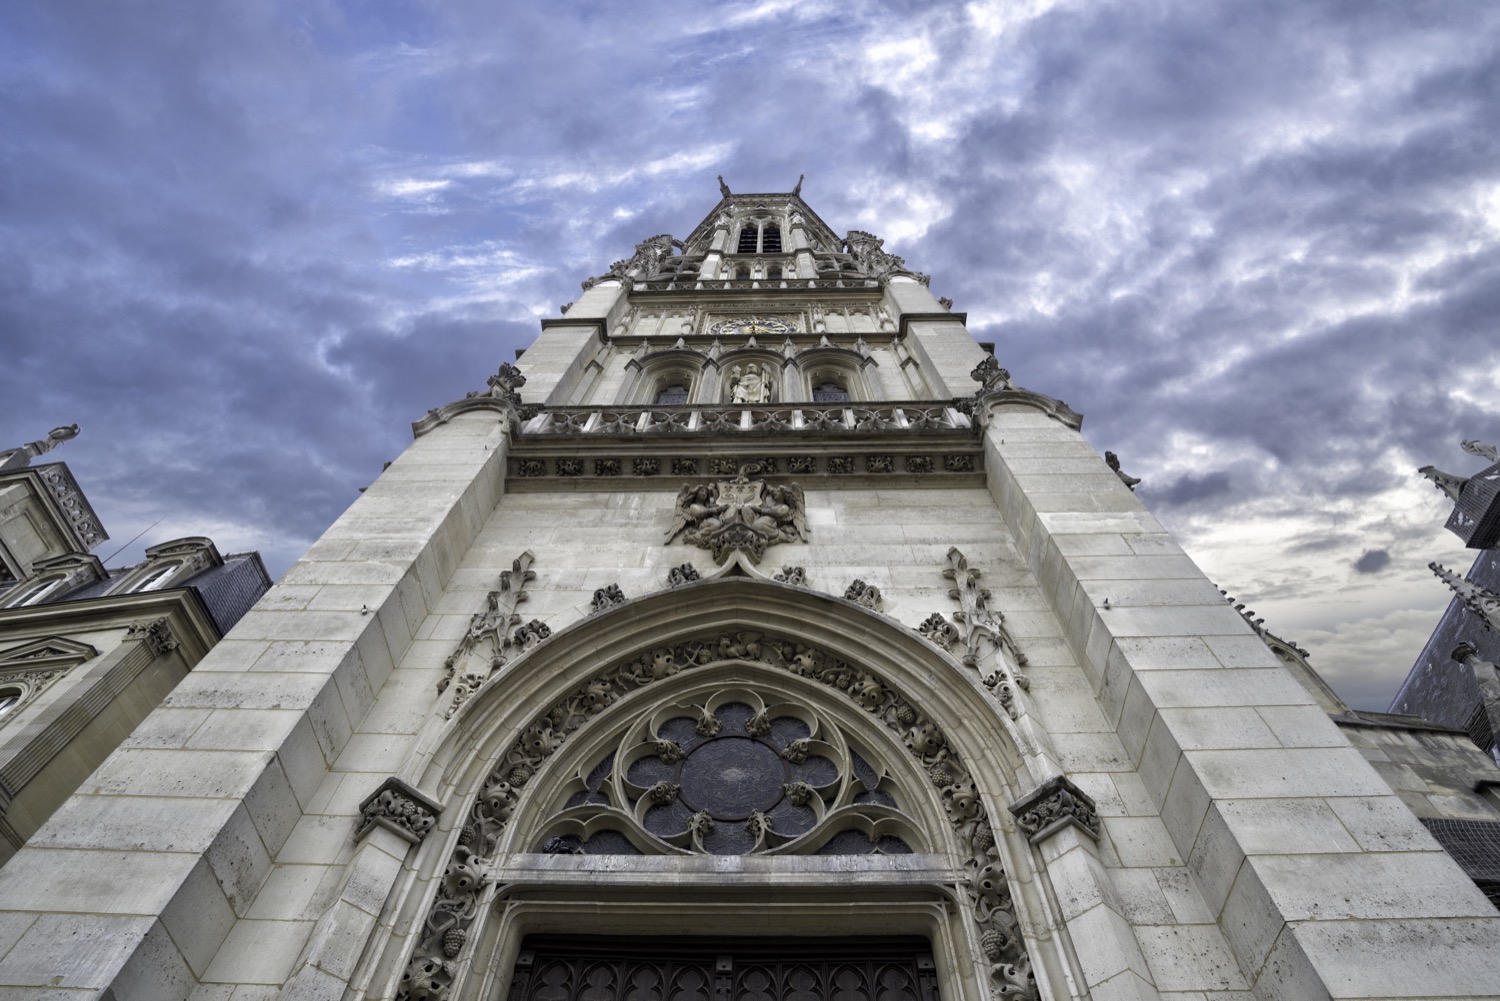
pixel 770 239
pixel 590 968
pixel 749 238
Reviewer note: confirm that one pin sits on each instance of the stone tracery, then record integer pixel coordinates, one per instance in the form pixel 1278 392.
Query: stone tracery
pixel 430 973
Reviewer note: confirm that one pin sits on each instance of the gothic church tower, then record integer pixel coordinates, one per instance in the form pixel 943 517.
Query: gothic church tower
pixel 754 636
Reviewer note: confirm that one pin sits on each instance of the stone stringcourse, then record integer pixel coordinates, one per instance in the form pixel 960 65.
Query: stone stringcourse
pixel 430 974
pixel 155 633
pixel 401 809
pixel 489 641
pixel 688 419
pixel 981 622
pixel 1053 805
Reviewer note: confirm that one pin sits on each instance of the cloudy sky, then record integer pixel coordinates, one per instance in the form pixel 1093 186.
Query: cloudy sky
pixel 1256 244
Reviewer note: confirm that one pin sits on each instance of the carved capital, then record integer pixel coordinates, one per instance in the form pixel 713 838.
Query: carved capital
pixel 155 633
pixel 400 808
pixel 1053 805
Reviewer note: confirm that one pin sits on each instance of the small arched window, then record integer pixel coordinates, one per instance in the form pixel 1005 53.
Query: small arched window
pixel 774 272
pixel 743 274
pixel 673 394
pixel 37 592
pixel 153 580
pixel 830 392
pixel 10 697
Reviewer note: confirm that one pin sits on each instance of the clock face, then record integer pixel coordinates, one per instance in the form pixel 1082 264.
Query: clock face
pixel 750 326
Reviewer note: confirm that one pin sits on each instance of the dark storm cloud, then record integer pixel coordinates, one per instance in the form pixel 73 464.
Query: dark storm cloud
pixel 1372 561
pixel 1257 245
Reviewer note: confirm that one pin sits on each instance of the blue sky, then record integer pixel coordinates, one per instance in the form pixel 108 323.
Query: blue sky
pixel 1256 244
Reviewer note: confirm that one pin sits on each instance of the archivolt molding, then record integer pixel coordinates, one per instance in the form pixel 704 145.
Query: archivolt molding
pixel 819 652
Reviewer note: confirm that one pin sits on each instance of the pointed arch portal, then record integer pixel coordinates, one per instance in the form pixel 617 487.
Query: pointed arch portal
pixel 721 766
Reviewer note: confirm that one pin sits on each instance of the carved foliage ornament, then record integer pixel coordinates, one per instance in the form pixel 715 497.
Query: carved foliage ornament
pixel 430 973
pixel 741 514
pixel 398 808
pixel 1053 805
pixel 156 634
pixel 489 642
pixel 978 622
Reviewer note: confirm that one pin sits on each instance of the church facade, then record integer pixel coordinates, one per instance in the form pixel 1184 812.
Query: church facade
pixel 755 635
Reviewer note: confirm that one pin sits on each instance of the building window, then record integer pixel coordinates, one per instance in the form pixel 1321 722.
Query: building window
pixel 10 698
pixel 759 238
pixel 673 394
pixel 37 592
pixel 153 580
pixel 742 273
pixel 830 392
pixel 770 239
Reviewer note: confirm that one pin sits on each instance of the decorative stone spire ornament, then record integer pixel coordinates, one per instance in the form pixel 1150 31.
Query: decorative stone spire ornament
pixel 1476 499
pixel 1488 679
pixel 1479 600
pixel 19 458
pixel 1113 462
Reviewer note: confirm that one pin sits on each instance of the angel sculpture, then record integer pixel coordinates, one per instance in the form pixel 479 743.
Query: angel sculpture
pixel 783 513
pixel 698 507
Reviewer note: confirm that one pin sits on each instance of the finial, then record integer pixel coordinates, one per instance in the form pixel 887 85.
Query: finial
pixel 798 189
pixel 723 188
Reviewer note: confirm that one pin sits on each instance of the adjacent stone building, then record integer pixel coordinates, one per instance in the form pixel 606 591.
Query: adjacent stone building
pixel 86 653
pixel 756 635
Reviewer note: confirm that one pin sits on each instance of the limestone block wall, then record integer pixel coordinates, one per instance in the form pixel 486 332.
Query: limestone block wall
pixel 1320 880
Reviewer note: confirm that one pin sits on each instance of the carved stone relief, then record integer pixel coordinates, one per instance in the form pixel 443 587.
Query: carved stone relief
pixel 742 514
pixel 607 597
pixel 156 634
pixel 429 975
pixel 977 622
pixel 489 642
pixel 407 812
pixel 861 593
pixel 1053 805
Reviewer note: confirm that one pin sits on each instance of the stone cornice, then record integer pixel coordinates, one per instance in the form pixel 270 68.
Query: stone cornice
pixel 54 485
pixel 907 319
pixel 186 615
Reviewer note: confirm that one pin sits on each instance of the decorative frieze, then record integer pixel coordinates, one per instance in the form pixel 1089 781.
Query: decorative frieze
pixel 399 808
pixel 155 633
pixel 919 464
pixel 840 464
pixel 878 463
pixel 645 465
pixel 684 467
pixel 1053 805
pixel 728 420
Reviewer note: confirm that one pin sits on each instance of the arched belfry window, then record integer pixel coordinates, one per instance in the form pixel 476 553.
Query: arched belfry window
pixel 759 236
pixel 770 238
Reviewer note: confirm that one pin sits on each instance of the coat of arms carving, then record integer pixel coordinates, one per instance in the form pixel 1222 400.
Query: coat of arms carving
pixel 742 514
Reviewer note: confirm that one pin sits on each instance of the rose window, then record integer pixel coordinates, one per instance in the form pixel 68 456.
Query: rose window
pixel 731 776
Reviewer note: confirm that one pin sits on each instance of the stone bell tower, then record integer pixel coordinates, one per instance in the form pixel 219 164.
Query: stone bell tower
pixel 754 636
